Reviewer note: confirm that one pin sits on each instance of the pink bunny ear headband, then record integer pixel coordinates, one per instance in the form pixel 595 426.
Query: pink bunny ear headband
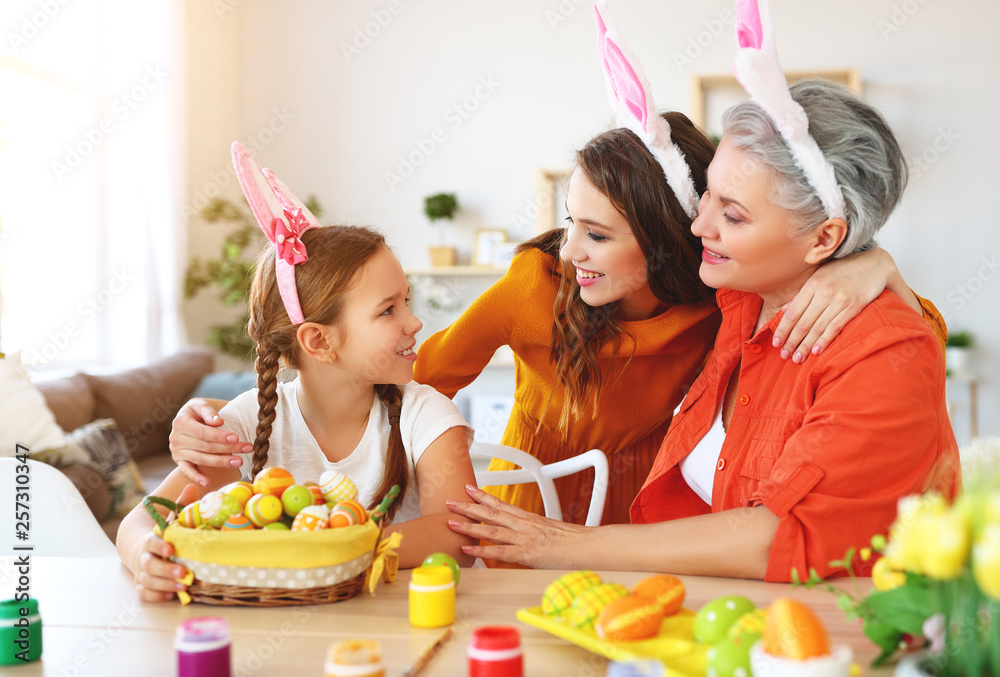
pixel 282 217
pixel 757 69
pixel 628 91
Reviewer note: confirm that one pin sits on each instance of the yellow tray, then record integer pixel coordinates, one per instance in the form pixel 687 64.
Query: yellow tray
pixel 675 646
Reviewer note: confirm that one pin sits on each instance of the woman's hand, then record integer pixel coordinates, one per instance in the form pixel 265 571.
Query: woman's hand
pixel 196 440
pixel 834 296
pixel 155 575
pixel 519 536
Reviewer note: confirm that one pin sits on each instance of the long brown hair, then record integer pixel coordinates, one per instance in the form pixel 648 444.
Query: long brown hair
pixel 336 255
pixel 619 165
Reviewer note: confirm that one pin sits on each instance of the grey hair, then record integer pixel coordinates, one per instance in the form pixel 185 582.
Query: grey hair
pixel 854 138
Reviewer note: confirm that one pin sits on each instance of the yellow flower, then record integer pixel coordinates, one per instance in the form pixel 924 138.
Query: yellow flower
pixel 943 544
pixel 884 577
pixel 991 508
pixel 986 561
pixel 906 547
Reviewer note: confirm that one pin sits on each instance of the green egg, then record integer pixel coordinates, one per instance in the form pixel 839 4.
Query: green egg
pixel 731 657
pixel 276 526
pixel 444 559
pixel 713 620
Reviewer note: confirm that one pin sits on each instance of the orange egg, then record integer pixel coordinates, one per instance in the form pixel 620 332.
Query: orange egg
pixel 629 619
pixel 793 631
pixel 667 590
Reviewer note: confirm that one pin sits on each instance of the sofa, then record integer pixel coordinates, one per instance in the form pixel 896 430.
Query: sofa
pixel 121 422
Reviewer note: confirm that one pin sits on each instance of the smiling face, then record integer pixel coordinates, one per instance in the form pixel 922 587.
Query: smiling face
pixel 748 241
pixel 377 328
pixel 610 265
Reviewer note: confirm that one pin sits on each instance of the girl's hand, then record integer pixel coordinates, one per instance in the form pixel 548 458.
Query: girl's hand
pixel 156 576
pixel 834 296
pixel 196 441
pixel 519 536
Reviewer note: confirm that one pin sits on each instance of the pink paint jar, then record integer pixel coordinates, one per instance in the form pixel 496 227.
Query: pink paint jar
pixel 203 648
pixel 495 651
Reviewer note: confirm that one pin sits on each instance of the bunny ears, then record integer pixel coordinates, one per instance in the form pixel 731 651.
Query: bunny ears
pixel 628 91
pixel 757 69
pixel 282 217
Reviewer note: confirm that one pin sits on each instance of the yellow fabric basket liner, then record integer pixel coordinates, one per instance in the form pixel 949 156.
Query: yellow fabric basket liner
pixel 264 548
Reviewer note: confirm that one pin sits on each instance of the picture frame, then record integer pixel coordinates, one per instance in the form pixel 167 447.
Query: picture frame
pixel 726 90
pixel 550 198
pixel 503 252
pixel 486 241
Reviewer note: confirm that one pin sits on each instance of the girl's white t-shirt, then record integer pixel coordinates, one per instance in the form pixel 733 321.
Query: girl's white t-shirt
pixel 425 415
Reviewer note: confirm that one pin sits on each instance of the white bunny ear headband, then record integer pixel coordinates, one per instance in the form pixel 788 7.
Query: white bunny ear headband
pixel 628 91
pixel 282 217
pixel 757 69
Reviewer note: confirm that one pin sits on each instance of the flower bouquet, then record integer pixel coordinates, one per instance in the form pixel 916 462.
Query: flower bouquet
pixel 937 584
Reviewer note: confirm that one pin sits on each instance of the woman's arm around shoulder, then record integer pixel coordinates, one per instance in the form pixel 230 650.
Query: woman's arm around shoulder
pixel 453 357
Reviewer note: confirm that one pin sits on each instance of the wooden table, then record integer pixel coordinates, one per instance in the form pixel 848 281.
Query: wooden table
pixel 94 623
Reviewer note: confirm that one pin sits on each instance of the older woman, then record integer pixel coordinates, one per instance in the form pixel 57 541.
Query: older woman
pixel 770 467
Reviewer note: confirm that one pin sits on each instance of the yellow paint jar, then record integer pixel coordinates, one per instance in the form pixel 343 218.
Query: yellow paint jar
pixel 432 597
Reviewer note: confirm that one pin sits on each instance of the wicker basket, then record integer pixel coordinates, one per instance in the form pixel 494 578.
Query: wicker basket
pixel 273 568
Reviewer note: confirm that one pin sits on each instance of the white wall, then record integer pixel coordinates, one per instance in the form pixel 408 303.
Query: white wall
pixel 929 66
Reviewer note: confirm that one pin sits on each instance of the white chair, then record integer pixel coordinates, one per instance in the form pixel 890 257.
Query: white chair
pixel 533 470
pixel 59 522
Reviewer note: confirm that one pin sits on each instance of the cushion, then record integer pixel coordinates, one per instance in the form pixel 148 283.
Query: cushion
pixel 27 419
pixel 144 401
pixel 107 452
pixel 70 401
pixel 225 385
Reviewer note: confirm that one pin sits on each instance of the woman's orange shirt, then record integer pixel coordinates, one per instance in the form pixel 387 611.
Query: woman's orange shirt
pixel 829 446
pixel 642 387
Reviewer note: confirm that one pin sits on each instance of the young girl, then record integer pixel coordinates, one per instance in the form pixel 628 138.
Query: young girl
pixel 330 303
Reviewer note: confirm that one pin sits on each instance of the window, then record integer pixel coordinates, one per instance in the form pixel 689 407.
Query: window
pixel 89 240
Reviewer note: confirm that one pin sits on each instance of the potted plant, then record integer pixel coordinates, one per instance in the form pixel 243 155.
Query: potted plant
pixel 436 207
pixel 936 597
pixel 231 272
pixel 956 353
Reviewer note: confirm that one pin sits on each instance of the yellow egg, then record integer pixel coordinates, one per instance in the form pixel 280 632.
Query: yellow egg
pixel 561 592
pixel 584 610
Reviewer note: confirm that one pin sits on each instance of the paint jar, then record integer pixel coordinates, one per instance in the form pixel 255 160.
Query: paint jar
pixel 354 658
pixel 432 597
pixel 495 651
pixel 20 631
pixel 203 648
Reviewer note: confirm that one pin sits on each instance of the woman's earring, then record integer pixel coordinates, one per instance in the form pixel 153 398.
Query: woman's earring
pixel 329 358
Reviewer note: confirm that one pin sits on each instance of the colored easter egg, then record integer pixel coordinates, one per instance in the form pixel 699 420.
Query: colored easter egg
pixel 263 509
pixel 337 487
pixel 294 498
pixel 316 492
pixel 227 506
pixel 731 657
pixel 667 590
pixel 277 526
pixel 713 620
pixel 629 619
pixel 190 516
pixel 793 631
pixel 236 523
pixel 347 513
pixel 560 593
pixel 272 481
pixel 588 605
pixel 750 623
pixel 240 490
pixel 444 559
pixel 311 518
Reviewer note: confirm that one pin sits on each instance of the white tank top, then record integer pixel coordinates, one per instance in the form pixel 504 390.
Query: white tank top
pixel 698 467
